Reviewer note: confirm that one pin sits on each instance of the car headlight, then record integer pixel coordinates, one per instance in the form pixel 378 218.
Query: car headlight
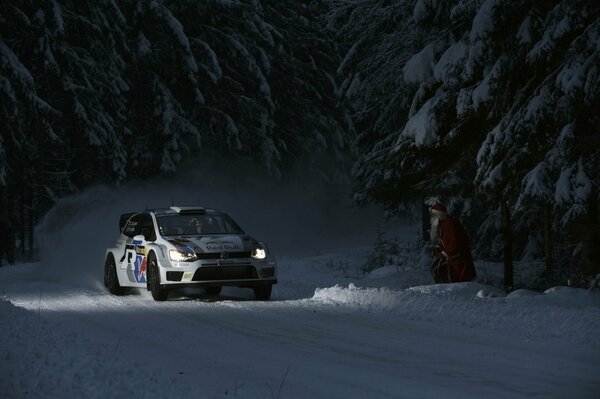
pixel 180 256
pixel 259 253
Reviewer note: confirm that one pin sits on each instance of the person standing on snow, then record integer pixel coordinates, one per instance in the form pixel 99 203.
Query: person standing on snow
pixel 453 262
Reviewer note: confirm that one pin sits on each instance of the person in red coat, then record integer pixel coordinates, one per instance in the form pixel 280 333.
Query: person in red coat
pixel 453 262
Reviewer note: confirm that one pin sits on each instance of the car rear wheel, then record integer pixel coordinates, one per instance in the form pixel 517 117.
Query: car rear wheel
pixel 213 290
pixel 263 293
pixel 158 292
pixel 111 280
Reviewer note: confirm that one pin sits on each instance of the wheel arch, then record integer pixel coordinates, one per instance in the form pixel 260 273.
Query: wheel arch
pixel 110 254
pixel 158 250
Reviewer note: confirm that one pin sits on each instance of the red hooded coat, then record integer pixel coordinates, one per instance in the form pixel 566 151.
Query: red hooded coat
pixel 455 247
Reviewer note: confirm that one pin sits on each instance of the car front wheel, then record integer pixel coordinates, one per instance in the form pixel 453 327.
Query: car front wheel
pixel 158 292
pixel 263 293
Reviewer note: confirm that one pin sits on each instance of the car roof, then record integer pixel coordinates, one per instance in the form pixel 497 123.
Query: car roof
pixel 182 210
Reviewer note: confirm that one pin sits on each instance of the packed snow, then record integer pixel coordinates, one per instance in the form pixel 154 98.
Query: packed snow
pixel 331 330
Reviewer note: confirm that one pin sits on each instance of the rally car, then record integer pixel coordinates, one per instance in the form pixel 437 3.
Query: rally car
pixel 177 247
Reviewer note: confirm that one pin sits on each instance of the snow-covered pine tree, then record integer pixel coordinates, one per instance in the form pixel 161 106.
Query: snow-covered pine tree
pixel 70 51
pixel 239 73
pixel 164 89
pixel 24 122
pixel 377 44
pixel 549 131
pixel 234 45
pixel 499 99
pixel 210 64
pixel 105 91
pixel 80 69
pixel 307 121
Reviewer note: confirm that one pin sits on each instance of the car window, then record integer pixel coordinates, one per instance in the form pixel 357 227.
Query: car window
pixel 201 224
pixel 132 226
pixel 146 227
pixel 140 224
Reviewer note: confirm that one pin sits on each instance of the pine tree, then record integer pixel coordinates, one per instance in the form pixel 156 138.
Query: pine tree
pixel 492 100
pixel 105 92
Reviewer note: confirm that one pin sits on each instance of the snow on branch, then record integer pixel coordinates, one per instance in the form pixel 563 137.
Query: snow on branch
pixel 420 67
pixel 17 69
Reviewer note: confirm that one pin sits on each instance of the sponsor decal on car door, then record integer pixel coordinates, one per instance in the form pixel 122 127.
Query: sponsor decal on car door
pixel 135 261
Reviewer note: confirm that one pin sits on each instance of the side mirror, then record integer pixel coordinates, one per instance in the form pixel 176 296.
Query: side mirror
pixel 139 237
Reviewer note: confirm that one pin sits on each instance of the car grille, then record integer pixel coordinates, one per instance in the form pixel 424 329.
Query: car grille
pixel 238 272
pixel 223 255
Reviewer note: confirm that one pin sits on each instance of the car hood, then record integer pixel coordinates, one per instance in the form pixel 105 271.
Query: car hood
pixel 213 243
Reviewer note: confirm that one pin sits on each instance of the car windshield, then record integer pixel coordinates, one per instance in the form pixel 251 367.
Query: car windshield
pixel 193 225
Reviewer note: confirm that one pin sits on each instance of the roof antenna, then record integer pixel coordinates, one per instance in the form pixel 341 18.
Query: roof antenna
pixel 171 201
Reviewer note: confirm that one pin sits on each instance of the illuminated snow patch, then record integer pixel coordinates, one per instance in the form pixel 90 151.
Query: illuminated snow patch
pixel 378 298
pixel 77 301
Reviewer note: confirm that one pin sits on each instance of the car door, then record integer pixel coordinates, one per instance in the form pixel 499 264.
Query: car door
pixel 126 240
pixel 133 261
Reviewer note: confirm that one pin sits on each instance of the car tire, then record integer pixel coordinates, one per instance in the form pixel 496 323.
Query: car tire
pixel 158 292
pixel 213 290
pixel 263 293
pixel 111 281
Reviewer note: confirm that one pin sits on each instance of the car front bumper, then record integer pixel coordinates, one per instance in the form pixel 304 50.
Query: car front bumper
pixel 211 273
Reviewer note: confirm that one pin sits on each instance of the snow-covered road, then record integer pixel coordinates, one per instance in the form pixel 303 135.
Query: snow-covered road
pixel 330 330
pixel 343 341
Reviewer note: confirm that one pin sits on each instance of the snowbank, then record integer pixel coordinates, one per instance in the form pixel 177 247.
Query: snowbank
pixel 569 314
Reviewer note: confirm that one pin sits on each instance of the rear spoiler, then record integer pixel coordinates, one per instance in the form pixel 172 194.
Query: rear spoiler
pixel 123 219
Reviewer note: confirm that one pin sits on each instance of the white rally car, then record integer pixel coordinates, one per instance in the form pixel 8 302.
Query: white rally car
pixel 178 247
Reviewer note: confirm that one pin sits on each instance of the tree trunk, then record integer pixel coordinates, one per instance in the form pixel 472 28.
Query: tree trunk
pixel 548 243
pixel 507 241
pixel 595 206
pixel 3 203
pixel 22 220
pixel 425 222
pixel 30 223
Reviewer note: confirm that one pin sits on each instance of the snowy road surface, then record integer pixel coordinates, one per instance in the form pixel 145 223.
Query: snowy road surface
pixel 364 338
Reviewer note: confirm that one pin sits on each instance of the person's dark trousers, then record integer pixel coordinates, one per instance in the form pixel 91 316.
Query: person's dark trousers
pixel 439 271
